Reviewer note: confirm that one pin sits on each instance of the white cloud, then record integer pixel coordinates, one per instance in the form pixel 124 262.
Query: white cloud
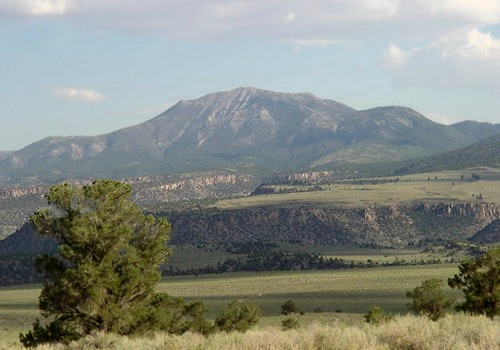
pixel 79 95
pixel 354 20
pixel 29 8
pixel 316 42
pixel 465 59
pixel 394 57
pixel 448 35
pixel 290 17
pixel 47 7
pixel 483 11
pixel 478 45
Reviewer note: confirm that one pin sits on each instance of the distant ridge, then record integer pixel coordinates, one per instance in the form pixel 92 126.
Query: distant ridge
pixel 483 153
pixel 244 130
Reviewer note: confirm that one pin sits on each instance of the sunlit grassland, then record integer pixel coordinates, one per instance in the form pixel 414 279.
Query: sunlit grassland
pixel 350 291
pixel 343 295
pixel 18 310
pixel 429 187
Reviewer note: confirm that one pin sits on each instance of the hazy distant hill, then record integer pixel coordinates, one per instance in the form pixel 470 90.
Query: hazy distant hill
pixel 483 153
pixel 245 129
pixel 477 130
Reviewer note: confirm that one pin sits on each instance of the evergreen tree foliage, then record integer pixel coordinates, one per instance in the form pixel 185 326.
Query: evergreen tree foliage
pixel 289 307
pixel 429 299
pixel 480 282
pixel 105 274
pixel 237 317
pixel 197 322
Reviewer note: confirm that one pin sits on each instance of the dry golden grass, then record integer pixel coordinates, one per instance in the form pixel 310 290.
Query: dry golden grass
pixel 455 332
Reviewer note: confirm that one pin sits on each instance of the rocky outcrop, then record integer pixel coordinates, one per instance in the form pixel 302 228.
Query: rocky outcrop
pixel 23 191
pixel 194 187
pixel 387 226
pixel 487 211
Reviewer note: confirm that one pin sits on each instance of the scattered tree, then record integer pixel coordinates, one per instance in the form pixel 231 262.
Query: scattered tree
pixel 480 282
pixel 429 299
pixel 105 274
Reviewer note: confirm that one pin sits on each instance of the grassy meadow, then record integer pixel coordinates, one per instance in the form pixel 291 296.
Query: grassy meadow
pixel 341 295
pixel 429 187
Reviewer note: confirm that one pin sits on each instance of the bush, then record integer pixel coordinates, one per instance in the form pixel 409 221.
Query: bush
pixel 429 299
pixel 237 317
pixel 197 322
pixel 377 315
pixel 290 323
pixel 289 307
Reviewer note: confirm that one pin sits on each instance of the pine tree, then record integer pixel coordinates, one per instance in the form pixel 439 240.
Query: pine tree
pixel 480 282
pixel 105 274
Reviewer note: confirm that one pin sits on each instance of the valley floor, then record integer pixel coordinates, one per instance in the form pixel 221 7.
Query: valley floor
pixel 326 297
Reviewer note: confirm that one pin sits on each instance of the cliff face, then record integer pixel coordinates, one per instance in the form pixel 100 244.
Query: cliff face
pixel 374 225
pixel 18 203
pixel 188 187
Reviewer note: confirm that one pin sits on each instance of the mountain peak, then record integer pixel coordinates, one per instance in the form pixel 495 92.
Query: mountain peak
pixel 247 129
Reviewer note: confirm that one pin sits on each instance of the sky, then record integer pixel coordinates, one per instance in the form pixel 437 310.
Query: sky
pixel 89 67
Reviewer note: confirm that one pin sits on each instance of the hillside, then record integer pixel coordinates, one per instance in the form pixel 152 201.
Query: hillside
pixel 245 129
pixel 483 153
pixel 489 234
pixel 477 130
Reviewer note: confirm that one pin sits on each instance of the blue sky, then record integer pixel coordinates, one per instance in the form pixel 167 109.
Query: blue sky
pixel 87 67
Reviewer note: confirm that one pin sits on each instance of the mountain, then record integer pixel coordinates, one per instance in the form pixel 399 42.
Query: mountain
pixel 477 130
pixel 483 153
pixel 246 129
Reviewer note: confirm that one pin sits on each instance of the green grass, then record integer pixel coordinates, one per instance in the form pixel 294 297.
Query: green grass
pixel 351 291
pixel 445 186
pixel 18 310
pixel 380 255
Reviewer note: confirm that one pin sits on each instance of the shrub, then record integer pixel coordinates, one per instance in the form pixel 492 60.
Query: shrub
pixel 197 322
pixel 290 323
pixel 429 299
pixel 377 315
pixel 237 317
pixel 289 307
